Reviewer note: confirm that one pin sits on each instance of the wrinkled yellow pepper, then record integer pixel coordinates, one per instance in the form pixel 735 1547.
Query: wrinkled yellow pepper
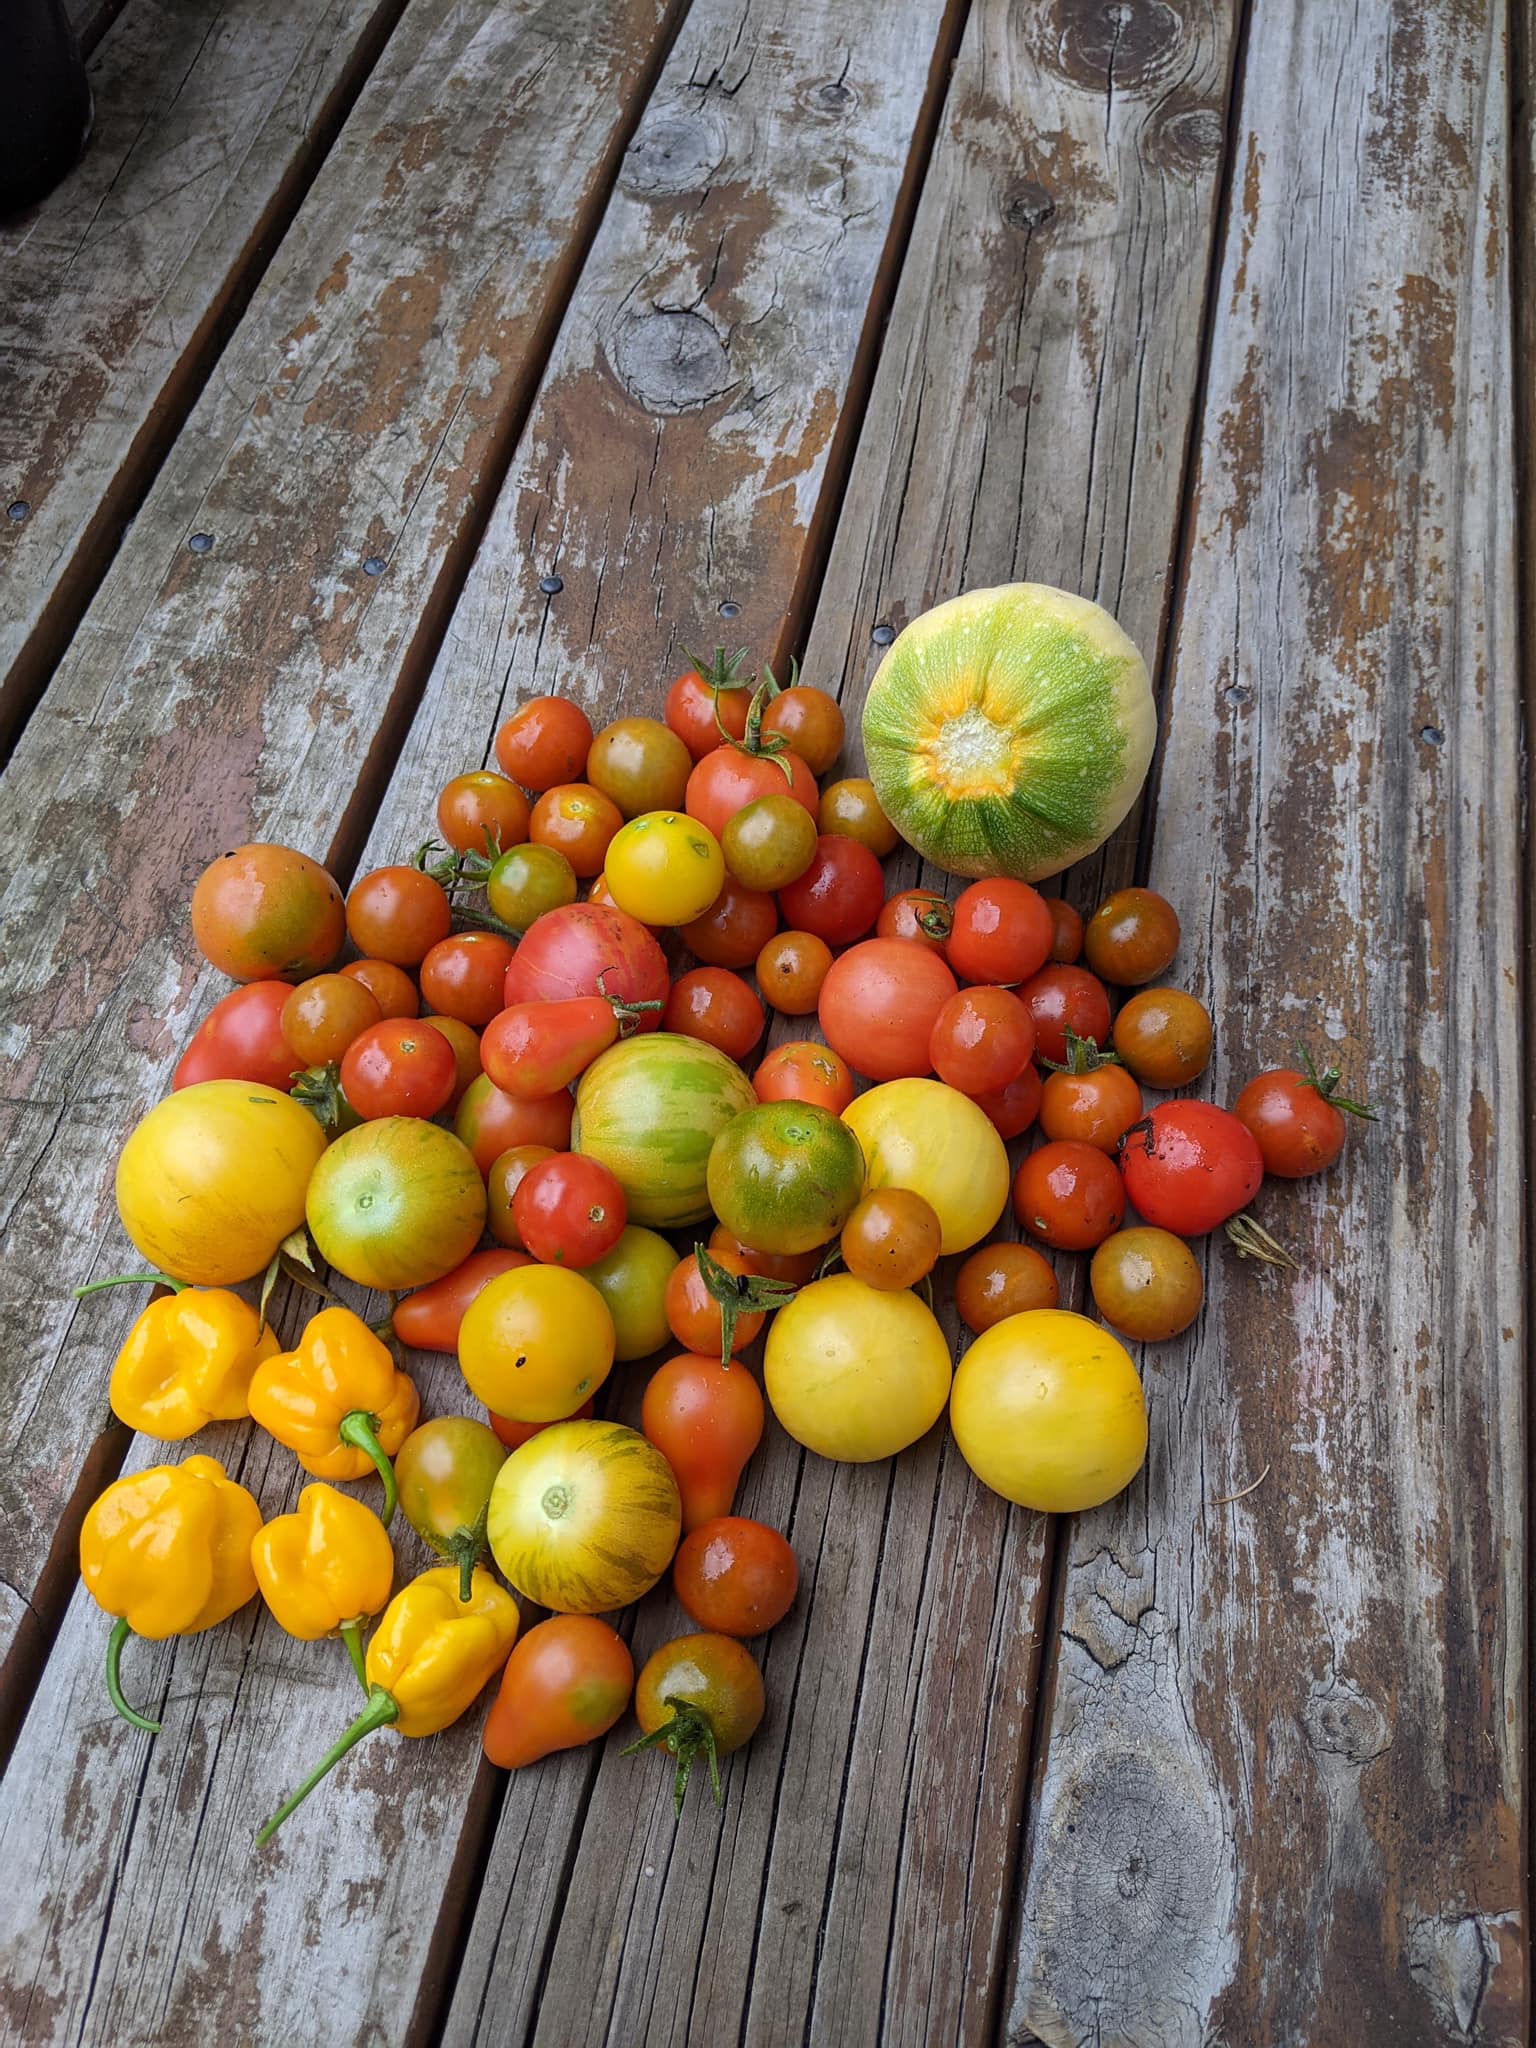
pixel 188 1361
pixel 430 1656
pixel 339 1401
pixel 168 1551
pixel 325 1569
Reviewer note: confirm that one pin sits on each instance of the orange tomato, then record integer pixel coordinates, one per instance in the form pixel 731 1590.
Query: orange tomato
pixel 567 1681
pixel 706 1420
pixel 267 913
pixel 805 1072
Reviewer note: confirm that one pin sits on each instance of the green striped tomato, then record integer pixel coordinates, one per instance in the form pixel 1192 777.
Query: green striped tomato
pixel 1009 731
pixel 649 1109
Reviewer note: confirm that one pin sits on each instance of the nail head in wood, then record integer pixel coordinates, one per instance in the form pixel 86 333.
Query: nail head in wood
pixel 200 543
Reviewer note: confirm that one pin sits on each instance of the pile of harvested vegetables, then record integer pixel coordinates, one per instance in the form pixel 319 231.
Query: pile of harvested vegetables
pixel 549 1038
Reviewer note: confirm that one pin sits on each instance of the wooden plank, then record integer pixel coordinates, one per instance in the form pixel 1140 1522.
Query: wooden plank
pixel 857 1884
pixel 357 425
pixel 1282 1796
pixel 210 120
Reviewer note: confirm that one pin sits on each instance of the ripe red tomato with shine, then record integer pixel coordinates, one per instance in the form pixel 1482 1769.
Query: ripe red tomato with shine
pixel 982 1039
pixel 531 1049
pixel 241 1039
pixel 400 1067
pixel 490 1122
pixel 429 1319
pixel 1190 1166
pixel 879 1004
pixel 481 812
pixel 1062 998
pixel 716 1007
pixel 1069 1195
pixel 589 949
pixel 729 779
pixel 918 914
pixel 735 1576
pixel 463 976
pixel 839 895
pixel 569 1210
pixel 690 711
pixel 1097 1107
pixel 1296 1119
pixel 397 914
pixel 1014 1108
pixel 1002 932
pixel 545 741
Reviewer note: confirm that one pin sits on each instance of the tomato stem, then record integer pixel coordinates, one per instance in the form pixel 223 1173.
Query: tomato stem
pixel 379 1712
pixel 752 742
pixel 1083 1056
pixel 936 918
pixel 464 1548
pixel 360 1430
pixel 688 1731
pixel 1327 1082
pixel 1253 1241
pixel 131 1280
pixel 119 1636
pixel 738 1295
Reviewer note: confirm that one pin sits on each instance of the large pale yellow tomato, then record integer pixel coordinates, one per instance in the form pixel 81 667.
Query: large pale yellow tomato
pixel 536 1342
pixel 1048 1411
pixel 213 1179
pixel 930 1138
pixel 584 1517
pixel 395 1203
pixel 855 1372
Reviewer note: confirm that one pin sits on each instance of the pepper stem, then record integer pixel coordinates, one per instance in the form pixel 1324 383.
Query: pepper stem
pixel 379 1712
pixel 688 1731
pixel 120 1634
pixel 132 1280
pixel 360 1430
pixel 351 1633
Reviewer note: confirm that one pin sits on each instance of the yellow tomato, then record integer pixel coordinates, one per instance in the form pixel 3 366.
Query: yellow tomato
pixel 584 1517
pixel 664 868
pixel 930 1138
pixel 396 1203
pixel 535 1343
pixel 213 1179
pixel 1048 1411
pixel 854 1372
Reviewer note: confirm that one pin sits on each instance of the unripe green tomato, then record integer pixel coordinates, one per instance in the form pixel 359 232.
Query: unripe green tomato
pixel 526 882
pixel 632 1279
pixel 445 1471
pixel 769 843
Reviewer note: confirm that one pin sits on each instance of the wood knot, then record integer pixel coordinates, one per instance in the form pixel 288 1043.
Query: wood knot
pixel 1028 207
pixel 1114 45
pixel 1343 1721
pixel 673 151
pixel 671 362
pixel 832 96
pixel 1187 139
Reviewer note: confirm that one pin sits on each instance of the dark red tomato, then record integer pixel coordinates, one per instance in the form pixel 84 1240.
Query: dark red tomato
pixel 879 1004
pixel 1062 999
pixel 1296 1119
pixel 1069 1195
pixel 1066 929
pixel 589 949
pixel 839 895
pixel 690 711
pixel 1014 1108
pixel 482 812
pixel 401 1067
pixel 464 976
pixel 734 929
pixel 241 1039
pixel 1189 1166
pixel 916 914
pixel 429 1319
pixel 569 1211
pixel 717 1007
pixel 1131 937
pixel 730 778
pixel 735 1576
pixel 812 722
pixel 397 914
pixel 531 1049
pixel 545 741
pixel 983 1038
pixel 1002 932
pixel 490 1123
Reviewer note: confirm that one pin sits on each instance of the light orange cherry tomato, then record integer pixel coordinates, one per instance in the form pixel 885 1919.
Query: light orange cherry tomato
pixel 805 1072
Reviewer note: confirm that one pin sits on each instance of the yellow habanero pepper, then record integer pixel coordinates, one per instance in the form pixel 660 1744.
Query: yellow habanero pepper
pixel 430 1656
pixel 188 1361
pixel 168 1551
pixel 325 1569
pixel 339 1401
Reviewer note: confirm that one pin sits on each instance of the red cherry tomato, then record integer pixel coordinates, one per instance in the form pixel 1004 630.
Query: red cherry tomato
pixel 578 821
pixel 397 914
pixel 734 929
pixel 1190 1166
pixel 401 1067
pixel 735 1576
pixel 545 741
pixel 531 1049
pixel 1069 1195
pixel 729 779
pixel 917 914
pixel 812 722
pixel 429 1319
pixel 982 1039
pixel 1297 1119
pixel 690 711
pixel 589 949
pixel 1062 999
pixel 490 1122
pixel 512 1434
pixel 879 1004
pixel 1014 1108
pixel 839 895
pixel 804 1071
pixel 717 1007
pixel 1066 929
pixel 569 1210
pixel 1002 932
pixel 241 1039
pixel 463 976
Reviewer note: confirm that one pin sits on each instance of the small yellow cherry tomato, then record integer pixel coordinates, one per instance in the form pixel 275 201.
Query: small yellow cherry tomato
pixel 535 1343
pixel 664 868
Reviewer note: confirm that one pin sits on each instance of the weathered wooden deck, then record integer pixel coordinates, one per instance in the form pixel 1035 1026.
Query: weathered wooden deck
pixel 495 346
